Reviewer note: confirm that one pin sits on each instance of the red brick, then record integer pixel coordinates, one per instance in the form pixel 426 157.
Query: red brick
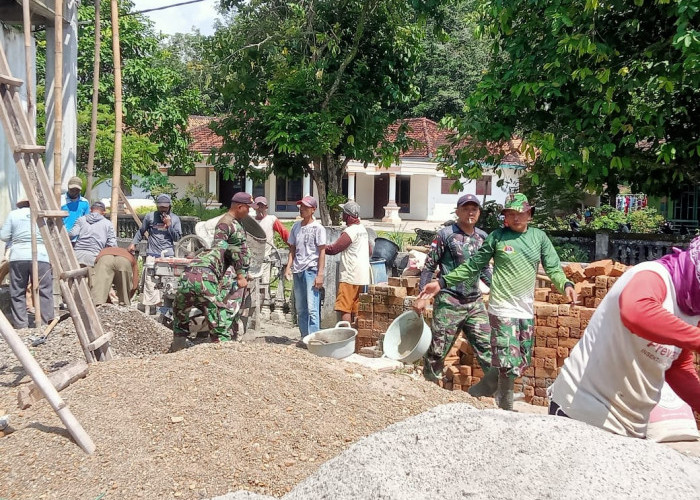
pixel 575 333
pixel 568 343
pixel 562 352
pixel 564 309
pixel 465 370
pixel 545 373
pixel 529 371
pixel 564 332
pixel 541 294
pixel 599 267
pixel 541 392
pixel 542 321
pixel 586 312
pixel 584 289
pixel 617 270
pixel 538 362
pixel 541 341
pixel 541 382
pixel 394 281
pixel 365 298
pixel 546 331
pixel 569 321
pixel 529 391
pixel 601 282
pixel 543 309
pixel 589 302
pixel 552 342
pixel 550 363
pixel 600 293
pixel 537 401
pixel 544 352
pixel 553 321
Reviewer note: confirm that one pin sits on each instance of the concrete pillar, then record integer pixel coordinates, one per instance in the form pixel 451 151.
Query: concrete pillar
pixel 602 245
pixel 211 181
pixel 248 185
pixel 70 86
pixel 391 210
pixel 351 186
pixel 306 185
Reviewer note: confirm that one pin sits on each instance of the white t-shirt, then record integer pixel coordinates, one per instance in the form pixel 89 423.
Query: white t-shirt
pixel 306 239
pixel 613 378
pixel 354 260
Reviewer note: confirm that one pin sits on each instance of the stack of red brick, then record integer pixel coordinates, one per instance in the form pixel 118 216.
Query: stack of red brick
pixel 558 326
pixel 381 306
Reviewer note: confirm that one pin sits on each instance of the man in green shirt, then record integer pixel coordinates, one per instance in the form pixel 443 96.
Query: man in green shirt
pixel 517 251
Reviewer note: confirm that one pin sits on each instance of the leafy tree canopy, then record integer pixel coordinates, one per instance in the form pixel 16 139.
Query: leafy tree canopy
pixel 453 63
pixel 315 82
pixel 602 92
pixel 157 96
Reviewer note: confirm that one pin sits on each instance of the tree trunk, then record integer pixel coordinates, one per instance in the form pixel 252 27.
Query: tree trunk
pixel 328 175
pixel 95 96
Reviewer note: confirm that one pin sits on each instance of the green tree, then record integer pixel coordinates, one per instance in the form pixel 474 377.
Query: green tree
pixel 310 85
pixel 602 93
pixel 454 61
pixel 158 98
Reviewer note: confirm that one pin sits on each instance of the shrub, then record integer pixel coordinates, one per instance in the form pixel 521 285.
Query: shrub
pixel 570 252
pixel 607 217
pixel 647 220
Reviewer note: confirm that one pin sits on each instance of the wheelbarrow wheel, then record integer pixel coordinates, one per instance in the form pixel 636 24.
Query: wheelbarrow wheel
pixel 190 245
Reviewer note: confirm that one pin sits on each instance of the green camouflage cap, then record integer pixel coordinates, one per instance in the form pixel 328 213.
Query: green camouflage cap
pixel 519 203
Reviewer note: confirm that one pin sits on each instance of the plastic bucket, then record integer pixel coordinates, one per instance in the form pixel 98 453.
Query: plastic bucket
pixel 385 249
pixel 378 268
pixel 408 338
pixel 338 342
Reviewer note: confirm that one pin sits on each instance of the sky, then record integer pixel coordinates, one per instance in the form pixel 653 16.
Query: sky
pixel 180 19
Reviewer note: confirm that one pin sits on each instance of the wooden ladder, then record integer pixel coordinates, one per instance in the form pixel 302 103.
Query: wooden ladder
pixel 49 218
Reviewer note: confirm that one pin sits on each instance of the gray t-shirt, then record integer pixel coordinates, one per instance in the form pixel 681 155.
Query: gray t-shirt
pixel 306 239
pixel 161 240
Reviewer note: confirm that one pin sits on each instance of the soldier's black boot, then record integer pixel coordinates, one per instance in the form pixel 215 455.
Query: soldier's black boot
pixel 487 385
pixel 504 393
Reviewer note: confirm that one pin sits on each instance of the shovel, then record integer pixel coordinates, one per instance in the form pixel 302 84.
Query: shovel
pixel 37 341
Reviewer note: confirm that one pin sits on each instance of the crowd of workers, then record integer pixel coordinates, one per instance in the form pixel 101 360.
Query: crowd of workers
pixel 643 333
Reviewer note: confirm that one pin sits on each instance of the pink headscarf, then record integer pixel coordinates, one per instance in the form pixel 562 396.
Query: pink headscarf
pixel 684 267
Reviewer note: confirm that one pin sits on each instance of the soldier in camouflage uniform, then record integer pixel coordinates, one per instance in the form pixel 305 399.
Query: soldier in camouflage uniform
pixel 459 307
pixel 517 251
pixel 213 282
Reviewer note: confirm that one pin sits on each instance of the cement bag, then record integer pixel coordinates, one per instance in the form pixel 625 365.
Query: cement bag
pixel 416 262
pixel 671 419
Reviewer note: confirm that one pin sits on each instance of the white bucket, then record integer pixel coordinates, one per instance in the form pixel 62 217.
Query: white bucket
pixel 408 338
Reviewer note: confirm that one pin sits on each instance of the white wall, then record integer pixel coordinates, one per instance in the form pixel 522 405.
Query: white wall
pixel 10 183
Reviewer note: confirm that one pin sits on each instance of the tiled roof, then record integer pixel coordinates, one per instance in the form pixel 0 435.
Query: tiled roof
pixel 422 130
pixel 203 138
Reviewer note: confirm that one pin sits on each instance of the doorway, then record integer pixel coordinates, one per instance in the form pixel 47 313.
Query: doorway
pixel 381 194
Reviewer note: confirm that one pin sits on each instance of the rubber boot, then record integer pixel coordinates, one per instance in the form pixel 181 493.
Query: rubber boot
pixel 179 343
pixel 487 385
pixel 504 394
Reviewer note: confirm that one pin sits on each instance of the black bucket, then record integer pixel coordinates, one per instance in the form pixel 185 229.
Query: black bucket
pixel 385 249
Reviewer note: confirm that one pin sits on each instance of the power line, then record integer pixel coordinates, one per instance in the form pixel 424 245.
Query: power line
pixel 162 8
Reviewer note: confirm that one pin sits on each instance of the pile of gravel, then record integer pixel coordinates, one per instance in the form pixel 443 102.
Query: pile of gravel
pixel 456 451
pixel 135 334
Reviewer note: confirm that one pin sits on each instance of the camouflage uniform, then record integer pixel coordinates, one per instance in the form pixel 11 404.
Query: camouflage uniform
pixel 209 283
pixel 511 342
pixel 459 307
pixel 230 230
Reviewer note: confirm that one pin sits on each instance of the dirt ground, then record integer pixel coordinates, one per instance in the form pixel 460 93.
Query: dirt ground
pixel 260 415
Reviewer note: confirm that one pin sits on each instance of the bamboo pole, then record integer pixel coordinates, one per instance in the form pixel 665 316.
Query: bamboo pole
pixel 117 163
pixel 27 22
pixel 95 96
pixel 58 101
pixel 35 269
pixel 27 26
pixel 45 386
